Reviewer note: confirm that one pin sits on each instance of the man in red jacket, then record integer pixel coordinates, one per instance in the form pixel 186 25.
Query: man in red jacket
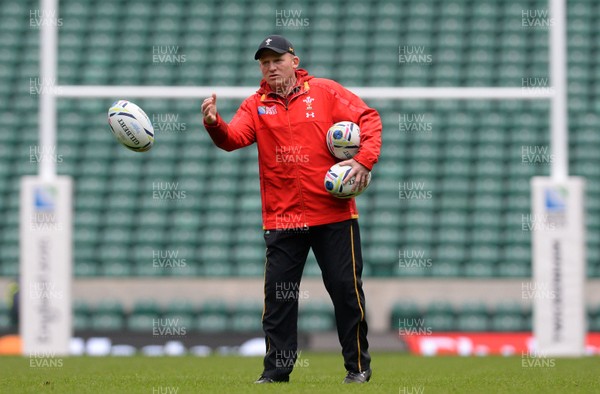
pixel 288 118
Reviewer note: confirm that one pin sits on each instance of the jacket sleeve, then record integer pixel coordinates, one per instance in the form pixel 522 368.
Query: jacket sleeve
pixel 237 134
pixel 348 106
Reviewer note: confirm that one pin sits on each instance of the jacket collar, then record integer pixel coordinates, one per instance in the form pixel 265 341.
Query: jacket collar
pixel 302 79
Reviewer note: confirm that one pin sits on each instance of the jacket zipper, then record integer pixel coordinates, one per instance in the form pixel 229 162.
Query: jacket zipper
pixel 298 182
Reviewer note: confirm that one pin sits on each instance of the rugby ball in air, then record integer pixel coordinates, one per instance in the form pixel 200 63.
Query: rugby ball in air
pixel 131 126
pixel 343 140
pixel 334 182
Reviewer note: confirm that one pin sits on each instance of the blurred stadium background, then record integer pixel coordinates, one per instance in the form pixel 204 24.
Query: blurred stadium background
pixel 456 253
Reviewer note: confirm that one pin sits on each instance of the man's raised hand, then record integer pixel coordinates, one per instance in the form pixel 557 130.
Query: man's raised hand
pixel 209 109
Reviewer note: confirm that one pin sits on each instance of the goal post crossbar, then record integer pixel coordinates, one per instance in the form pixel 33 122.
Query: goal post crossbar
pixel 197 92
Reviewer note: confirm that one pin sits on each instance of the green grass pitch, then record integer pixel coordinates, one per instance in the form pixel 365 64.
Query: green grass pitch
pixel 315 373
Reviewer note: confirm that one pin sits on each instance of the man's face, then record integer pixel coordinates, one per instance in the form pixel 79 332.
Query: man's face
pixel 278 69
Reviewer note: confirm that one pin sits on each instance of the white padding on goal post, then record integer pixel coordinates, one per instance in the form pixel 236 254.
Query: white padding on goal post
pixel 46 265
pixel 559 269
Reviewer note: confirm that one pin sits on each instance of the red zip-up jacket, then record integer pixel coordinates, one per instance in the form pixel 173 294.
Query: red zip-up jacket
pixel 292 153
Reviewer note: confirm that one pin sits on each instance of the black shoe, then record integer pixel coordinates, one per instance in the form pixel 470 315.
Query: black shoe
pixel 265 379
pixel 358 377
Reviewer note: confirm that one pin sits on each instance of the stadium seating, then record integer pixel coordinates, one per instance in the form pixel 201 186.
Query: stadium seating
pixel 214 316
pixel 210 316
pixel 470 162
pixel 440 316
pixel 107 316
pixel 314 316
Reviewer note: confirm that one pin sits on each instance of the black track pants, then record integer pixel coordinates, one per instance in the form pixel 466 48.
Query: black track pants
pixel 337 249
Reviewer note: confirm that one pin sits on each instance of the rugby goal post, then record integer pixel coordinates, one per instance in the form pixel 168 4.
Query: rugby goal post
pixel 45 219
pixel 559 234
pixel 558 251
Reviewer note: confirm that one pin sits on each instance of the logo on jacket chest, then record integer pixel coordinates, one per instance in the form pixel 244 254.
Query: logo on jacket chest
pixel 309 108
pixel 308 100
pixel 267 110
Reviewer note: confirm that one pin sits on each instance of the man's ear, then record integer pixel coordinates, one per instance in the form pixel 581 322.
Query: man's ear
pixel 295 61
